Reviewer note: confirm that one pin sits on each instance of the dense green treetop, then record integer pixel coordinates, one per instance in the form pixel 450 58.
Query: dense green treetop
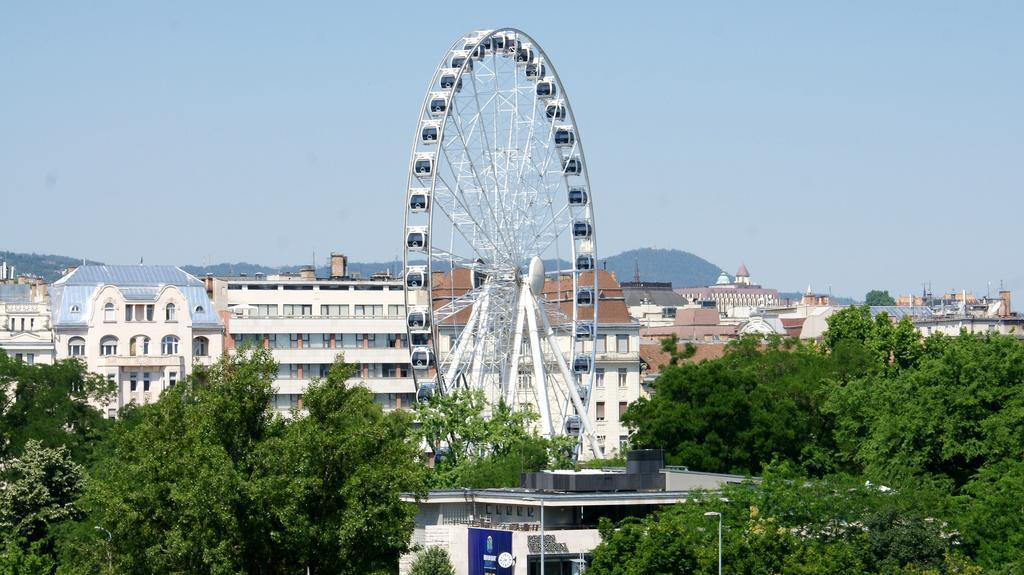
pixel 878 297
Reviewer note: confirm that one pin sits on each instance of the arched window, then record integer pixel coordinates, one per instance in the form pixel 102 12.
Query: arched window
pixel 108 312
pixel 108 346
pixel 76 347
pixel 200 309
pixel 139 345
pixel 169 312
pixel 200 346
pixel 75 308
pixel 169 345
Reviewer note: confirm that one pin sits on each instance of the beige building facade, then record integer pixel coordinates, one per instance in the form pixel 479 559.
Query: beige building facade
pixel 142 327
pixel 25 333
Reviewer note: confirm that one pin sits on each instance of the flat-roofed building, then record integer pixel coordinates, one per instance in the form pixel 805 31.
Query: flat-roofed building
pixel 306 322
pixel 141 326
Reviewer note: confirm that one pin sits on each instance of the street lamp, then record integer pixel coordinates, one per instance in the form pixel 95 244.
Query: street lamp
pixel 110 564
pixel 719 515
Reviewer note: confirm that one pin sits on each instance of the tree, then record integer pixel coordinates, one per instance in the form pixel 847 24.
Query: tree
pixel 42 490
pixel 50 404
pixel 433 561
pixel 208 480
pixel 475 449
pixel 992 522
pixel 878 297
pixel 757 403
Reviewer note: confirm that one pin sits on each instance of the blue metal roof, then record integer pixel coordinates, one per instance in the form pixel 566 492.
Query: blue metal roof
pixel 15 293
pixel 77 290
pixel 124 276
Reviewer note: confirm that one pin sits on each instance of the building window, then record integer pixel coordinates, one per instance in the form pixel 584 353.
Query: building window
pixel 199 309
pixel 30 358
pixel 200 346
pixel 599 376
pixel 266 309
pixel 600 411
pixel 133 381
pixel 170 313
pixel 108 346
pixel 394 339
pixel 622 377
pixel 623 406
pixel 139 345
pixel 600 441
pixel 623 443
pixel 334 310
pixel 145 381
pixel 76 347
pixel 169 345
pixel 75 309
pixel 108 312
pixel 172 378
pixel 298 309
pixel 395 310
pixel 369 310
pixel 622 343
pixel 600 342
pixel 319 341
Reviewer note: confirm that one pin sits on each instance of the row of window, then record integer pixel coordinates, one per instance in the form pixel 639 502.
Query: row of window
pixel 319 340
pixel 290 401
pixel 326 310
pixel 139 312
pixel 367 370
pixel 147 380
pixel 600 415
pixel 139 345
pixel 13 323
pixel 622 373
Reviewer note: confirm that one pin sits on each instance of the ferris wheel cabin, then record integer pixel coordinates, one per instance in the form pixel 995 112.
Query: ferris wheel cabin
pixel 448 80
pixel 582 229
pixel 573 425
pixel 416 238
pixel 584 331
pixel 419 200
pixel 584 262
pixel 418 320
pixel 572 166
pixel 460 57
pixel 578 197
pixel 430 132
pixel 581 363
pixel 546 89
pixel 585 297
pixel 421 357
pixel 564 135
pixel 555 110
pixel 438 103
pixel 536 70
pixel 423 165
pixel 525 54
pixel 425 391
pixel 416 278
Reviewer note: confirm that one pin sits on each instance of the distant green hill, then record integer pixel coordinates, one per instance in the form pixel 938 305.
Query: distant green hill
pixel 45 266
pixel 681 268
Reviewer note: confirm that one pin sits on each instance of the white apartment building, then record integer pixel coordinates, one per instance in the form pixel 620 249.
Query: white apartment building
pixel 25 333
pixel 140 326
pixel 307 322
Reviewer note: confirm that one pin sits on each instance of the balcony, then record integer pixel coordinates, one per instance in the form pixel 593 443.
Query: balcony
pixel 141 361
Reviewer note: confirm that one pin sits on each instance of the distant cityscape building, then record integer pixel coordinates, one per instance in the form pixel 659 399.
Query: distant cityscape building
pixel 729 295
pixel 140 326
pixel 307 322
pixel 25 333
pixel 7 272
pixel 652 304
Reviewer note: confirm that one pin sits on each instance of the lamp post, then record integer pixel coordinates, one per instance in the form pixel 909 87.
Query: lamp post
pixel 110 563
pixel 719 515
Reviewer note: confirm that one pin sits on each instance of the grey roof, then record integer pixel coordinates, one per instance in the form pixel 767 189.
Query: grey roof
pixel 901 311
pixel 658 296
pixel 136 283
pixel 15 293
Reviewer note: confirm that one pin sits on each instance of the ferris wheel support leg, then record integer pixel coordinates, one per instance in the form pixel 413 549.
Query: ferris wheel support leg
pixel 540 380
pixel 476 367
pixel 452 373
pixel 574 395
pixel 512 379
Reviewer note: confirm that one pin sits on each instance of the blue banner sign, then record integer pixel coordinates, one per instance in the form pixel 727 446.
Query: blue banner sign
pixel 490 552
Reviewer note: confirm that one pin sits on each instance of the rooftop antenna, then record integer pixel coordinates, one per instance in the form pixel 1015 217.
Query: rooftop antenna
pixel 636 270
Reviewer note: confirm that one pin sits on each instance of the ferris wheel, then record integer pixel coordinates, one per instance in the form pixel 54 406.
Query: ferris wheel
pixel 497 192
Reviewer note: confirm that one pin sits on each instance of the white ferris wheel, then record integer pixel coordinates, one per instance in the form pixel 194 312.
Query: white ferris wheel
pixel 497 191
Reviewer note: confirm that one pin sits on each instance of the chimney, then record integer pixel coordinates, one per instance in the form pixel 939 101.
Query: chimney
pixel 307 273
pixel 208 283
pixel 1005 310
pixel 339 265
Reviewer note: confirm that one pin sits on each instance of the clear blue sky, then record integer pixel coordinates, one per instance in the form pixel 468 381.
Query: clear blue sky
pixel 851 144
